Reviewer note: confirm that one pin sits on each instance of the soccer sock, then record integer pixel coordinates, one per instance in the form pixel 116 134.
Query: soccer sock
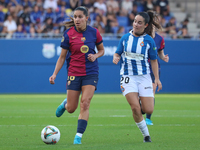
pixel 65 103
pixel 148 116
pixel 143 128
pixel 82 124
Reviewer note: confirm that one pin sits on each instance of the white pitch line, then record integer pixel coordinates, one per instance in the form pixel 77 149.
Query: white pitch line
pixel 101 125
pixel 109 116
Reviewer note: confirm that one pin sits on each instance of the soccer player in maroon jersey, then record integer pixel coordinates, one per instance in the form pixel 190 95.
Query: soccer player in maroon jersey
pixel 80 40
pixel 160 44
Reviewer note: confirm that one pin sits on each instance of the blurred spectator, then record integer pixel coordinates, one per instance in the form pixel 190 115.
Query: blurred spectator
pixel 26 3
pixel 19 33
pixel 183 30
pixel 120 32
pixel 149 5
pixel 48 27
pixel 4 32
pixel 171 28
pixel 50 14
pixel 74 4
pixel 36 15
pixel 132 14
pixel 88 4
pixel 112 23
pixel 39 27
pixel 98 22
pixel 126 7
pixel 32 32
pixel 162 5
pixel 39 3
pixel 26 15
pixel 50 4
pixel 20 21
pixel 10 24
pixel 101 6
pixel 2 17
pixel 61 16
pixel 114 4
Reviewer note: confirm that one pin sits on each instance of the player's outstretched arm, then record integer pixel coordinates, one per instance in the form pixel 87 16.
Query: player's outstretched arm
pixel 163 56
pixel 59 65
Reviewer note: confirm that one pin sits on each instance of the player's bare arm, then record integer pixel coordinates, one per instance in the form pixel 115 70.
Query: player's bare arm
pixel 163 56
pixel 154 66
pixel 116 58
pixel 59 65
pixel 93 57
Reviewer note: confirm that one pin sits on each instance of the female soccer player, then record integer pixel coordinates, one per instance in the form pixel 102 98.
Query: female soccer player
pixel 134 50
pixel 80 40
pixel 160 44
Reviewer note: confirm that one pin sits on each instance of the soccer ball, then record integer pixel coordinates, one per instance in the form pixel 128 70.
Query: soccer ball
pixel 50 134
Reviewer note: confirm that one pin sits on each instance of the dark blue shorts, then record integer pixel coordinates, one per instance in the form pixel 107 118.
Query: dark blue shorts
pixel 76 82
pixel 153 77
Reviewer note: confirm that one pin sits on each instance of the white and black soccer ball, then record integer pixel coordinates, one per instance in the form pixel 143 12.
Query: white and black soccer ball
pixel 50 134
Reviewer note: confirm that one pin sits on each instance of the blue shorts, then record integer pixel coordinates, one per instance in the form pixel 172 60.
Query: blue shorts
pixel 76 82
pixel 153 77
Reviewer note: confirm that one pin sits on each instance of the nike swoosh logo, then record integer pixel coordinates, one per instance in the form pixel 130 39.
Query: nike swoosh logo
pixel 74 37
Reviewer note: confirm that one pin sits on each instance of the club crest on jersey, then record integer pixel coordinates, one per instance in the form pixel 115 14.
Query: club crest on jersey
pixel 142 44
pixel 84 49
pixel 83 39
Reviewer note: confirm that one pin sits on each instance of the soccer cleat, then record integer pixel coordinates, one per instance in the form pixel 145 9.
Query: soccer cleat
pixel 148 121
pixel 147 139
pixel 61 108
pixel 141 107
pixel 77 140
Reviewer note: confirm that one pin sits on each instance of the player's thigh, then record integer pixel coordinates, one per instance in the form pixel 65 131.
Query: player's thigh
pixel 147 104
pixel 73 98
pixel 87 93
pixel 132 99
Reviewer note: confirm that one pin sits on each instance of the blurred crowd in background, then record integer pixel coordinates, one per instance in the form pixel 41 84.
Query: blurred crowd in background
pixel 19 18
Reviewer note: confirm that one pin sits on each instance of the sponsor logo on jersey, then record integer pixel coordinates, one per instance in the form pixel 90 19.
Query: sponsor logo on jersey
pixel 83 39
pixel 142 44
pixel 154 48
pixel 84 49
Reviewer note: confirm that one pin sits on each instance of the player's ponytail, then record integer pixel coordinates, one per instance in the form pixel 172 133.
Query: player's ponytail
pixel 71 23
pixel 150 18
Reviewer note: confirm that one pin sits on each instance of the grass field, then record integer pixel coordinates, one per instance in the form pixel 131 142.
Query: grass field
pixel 176 121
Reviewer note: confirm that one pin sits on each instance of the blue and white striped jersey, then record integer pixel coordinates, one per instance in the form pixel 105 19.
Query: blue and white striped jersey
pixel 135 52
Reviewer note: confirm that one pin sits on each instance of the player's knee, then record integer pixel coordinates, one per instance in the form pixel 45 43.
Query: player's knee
pixel 136 110
pixel 148 110
pixel 85 104
pixel 70 109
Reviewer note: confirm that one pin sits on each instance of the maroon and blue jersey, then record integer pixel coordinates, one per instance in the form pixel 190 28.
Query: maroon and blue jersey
pixel 80 44
pixel 160 44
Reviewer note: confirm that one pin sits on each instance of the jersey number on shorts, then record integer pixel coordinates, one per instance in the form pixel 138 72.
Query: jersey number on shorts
pixel 125 80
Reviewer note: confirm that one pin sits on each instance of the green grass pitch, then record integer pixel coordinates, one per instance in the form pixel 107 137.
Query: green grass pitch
pixel 176 121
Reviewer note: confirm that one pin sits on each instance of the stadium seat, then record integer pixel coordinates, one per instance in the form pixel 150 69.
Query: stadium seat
pixel 123 21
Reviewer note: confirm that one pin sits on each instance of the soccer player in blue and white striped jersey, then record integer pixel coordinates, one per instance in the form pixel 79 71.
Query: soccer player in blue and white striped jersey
pixel 133 52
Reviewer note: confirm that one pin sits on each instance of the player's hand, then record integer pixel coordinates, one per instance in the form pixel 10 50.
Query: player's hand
pixel 166 58
pixel 158 84
pixel 52 79
pixel 92 57
pixel 116 59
